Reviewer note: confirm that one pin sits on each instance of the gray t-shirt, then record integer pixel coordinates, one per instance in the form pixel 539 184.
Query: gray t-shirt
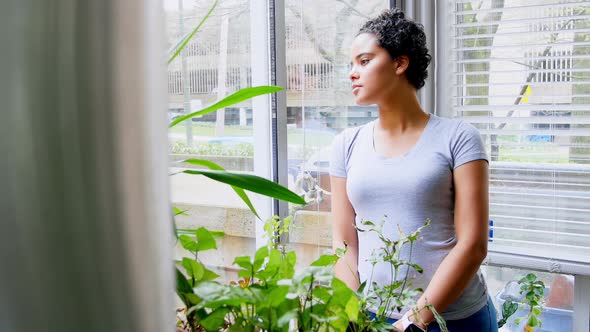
pixel 407 190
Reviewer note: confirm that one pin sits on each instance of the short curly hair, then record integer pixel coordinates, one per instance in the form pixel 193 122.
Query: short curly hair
pixel 401 36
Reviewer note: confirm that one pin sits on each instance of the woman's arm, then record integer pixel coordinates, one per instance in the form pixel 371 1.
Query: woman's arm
pixel 471 225
pixel 343 231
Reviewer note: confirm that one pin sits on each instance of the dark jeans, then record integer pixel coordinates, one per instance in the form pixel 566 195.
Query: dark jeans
pixel 482 321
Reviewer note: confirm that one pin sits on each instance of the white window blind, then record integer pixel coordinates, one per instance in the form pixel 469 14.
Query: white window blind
pixel 521 74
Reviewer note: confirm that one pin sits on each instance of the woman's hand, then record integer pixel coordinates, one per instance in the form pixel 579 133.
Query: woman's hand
pixel 407 320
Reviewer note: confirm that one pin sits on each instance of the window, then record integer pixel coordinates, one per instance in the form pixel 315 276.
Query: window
pixel 214 64
pixel 319 105
pixel 520 74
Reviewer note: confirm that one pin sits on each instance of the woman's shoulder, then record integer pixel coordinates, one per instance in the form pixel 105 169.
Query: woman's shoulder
pixel 349 136
pixel 455 128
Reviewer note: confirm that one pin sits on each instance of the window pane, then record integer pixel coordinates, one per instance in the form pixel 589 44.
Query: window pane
pixel 319 105
pixel 521 75
pixel 214 64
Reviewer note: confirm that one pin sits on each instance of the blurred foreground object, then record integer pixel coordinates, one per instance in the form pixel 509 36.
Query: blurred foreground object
pixel 85 235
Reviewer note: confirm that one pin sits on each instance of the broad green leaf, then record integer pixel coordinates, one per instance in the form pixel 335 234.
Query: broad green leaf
pixel 182 284
pixel 186 39
pixel 276 296
pixel 193 268
pixel 341 323
pixel 239 191
pixel 205 240
pixel 236 97
pixel 216 295
pixel 533 320
pixel 352 308
pixel 287 268
pixel 243 262
pixel 188 243
pixel 209 275
pixel 260 256
pixel 183 288
pixel 325 260
pixel 215 320
pixel 252 183
pixel 321 293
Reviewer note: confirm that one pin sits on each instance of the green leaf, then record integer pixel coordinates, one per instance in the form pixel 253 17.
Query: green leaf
pixel 243 262
pixel 182 284
pixel 352 308
pixel 217 234
pixel 216 295
pixel 178 211
pixel 193 268
pixel 188 243
pixel 183 288
pixel 417 267
pixel 276 296
pixel 252 183
pixel 205 240
pixel 533 321
pixel 508 309
pixel 189 231
pixel 321 293
pixel 209 275
pixel 215 320
pixel 287 268
pixel 186 39
pixel 239 191
pixel 236 97
pixel 325 260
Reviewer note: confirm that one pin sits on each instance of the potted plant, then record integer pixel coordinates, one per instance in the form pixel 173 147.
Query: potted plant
pixel 533 291
pixel 273 296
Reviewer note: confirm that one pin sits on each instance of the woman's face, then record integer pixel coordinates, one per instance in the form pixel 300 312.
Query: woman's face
pixel 374 75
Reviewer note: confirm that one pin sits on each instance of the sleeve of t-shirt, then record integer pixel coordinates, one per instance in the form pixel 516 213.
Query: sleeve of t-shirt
pixel 338 157
pixel 467 145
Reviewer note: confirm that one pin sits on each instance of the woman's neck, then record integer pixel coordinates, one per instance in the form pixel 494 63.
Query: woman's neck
pixel 401 113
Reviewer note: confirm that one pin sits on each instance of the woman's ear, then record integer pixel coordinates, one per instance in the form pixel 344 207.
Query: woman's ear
pixel 402 64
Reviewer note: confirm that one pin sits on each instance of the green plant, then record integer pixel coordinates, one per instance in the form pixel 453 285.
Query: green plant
pixel 533 291
pixel 508 309
pixel 272 296
pixel 387 299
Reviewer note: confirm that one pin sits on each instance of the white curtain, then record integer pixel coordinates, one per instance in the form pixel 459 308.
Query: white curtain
pixel 85 226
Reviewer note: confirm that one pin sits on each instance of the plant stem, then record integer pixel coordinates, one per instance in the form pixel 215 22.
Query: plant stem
pixel 407 271
pixel 390 295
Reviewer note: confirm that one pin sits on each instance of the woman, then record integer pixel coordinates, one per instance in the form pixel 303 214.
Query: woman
pixel 411 166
